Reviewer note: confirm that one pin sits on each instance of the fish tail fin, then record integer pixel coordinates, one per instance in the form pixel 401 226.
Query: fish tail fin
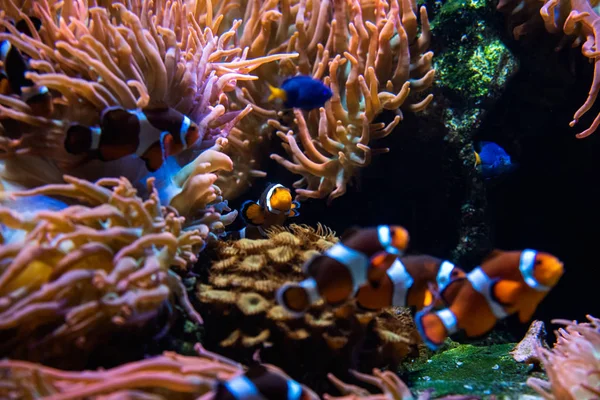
pixel 435 327
pixel 252 213
pixel 78 139
pixel 276 93
pixel 297 297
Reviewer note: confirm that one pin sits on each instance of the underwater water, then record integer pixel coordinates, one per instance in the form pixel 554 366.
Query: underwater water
pixel 298 199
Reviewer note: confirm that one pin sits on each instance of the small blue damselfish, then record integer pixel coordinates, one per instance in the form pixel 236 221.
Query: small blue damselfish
pixel 303 92
pixel 494 160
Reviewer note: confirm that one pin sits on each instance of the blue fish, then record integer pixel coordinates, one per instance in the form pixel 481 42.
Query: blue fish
pixel 301 92
pixel 494 160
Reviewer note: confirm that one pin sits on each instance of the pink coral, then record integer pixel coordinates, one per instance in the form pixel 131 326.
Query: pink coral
pixel 573 365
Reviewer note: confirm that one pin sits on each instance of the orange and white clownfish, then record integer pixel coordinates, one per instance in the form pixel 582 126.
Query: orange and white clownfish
pixel 259 383
pixel 151 134
pixel 12 74
pixel 273 208
pixel 506 283
pixel 407 282
pixel 340 271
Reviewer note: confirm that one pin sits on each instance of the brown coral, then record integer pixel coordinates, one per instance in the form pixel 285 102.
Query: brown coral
pixel 242 315
pixel 69 278
pixel 573 365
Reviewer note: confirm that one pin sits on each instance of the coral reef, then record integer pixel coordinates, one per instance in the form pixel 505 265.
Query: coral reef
pixel 170 376
pixel 577 20
pixel 573 364
pixel 72 277
pixel 373 58
pixel 242 315
pixel 92 56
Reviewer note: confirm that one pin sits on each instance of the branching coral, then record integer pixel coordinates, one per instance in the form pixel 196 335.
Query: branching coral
pixel 577 19
pixel 170 376
pixel 130 54
pixel 242 315
pixel 369 53
pixel 75 275
pixel 573 365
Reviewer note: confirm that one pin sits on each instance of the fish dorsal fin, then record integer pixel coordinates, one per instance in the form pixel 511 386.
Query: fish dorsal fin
pixel 252 213
pixel 493 254
pixel 506 292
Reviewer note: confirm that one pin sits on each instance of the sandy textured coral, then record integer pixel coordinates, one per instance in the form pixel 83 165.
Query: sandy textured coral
pixel 242 315
pixel 70 278
pixel 98 54
pixel 573 365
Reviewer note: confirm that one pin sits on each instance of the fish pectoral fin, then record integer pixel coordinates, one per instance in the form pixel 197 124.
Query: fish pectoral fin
pixel 166 140
pixel 252 213
pixel 526 310
pixel 506 292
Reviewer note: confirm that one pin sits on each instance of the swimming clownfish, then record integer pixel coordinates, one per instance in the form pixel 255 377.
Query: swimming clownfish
pixel 506 283
pixel 407 282
pixel 273 208
pixel 301 92
pixel 151 134
pixel 12 75
pixel 259 383
pixel 339 272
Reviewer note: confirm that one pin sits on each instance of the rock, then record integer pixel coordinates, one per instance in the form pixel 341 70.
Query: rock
pixel 525 351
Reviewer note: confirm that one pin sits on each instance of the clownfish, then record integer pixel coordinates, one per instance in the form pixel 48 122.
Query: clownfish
pixel 506 283
pixel 340 271
pixel 12 75
pixel 273 208
pixel 259 383
pixel 407 282
pixel 151 134
pixel 301 91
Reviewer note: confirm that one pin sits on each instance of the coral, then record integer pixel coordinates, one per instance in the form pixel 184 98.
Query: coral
pixel 170 376
pixel 242 315
pixel 356 56
pixel 577 20
pixel 72 277
pixel 132 54
pixel 573 364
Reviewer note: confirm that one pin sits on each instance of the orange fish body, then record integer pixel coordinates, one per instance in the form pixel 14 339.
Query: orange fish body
pixel 151 134
pixel 261 383
pixel 507 283
pixel 337 274
pixel 273 208
pixel 408 282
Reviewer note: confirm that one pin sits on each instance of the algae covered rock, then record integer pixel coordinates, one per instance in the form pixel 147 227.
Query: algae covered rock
pixel 471 370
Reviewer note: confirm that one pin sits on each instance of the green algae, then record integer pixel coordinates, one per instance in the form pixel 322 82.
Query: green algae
pixel 472 370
